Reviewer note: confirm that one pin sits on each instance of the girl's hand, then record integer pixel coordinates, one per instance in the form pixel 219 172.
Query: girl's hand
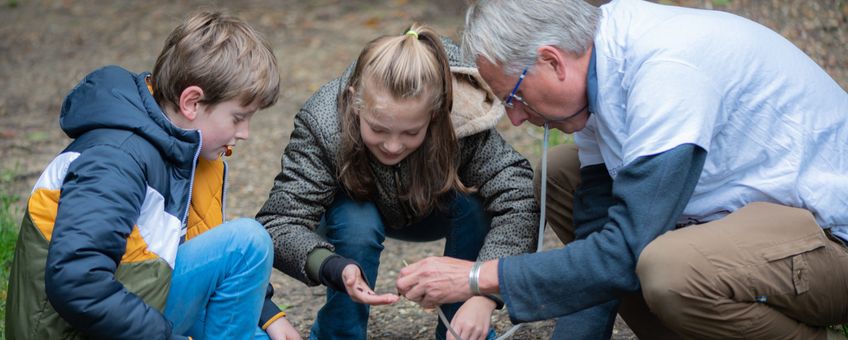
pixel 359 291
pixel 472 320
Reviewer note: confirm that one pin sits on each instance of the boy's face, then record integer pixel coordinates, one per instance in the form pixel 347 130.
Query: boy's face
pixel 221 126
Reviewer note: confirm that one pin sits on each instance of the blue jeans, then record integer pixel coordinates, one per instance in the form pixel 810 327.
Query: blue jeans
pixel 219 280
pixel 357 231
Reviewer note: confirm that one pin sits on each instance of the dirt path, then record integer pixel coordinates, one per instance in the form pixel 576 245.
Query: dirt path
pixel 47 46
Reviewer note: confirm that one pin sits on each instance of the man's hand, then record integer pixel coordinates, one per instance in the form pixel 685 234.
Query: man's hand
pixel 281 329
pixel 359 291
pixel 435 280
pixel 472 320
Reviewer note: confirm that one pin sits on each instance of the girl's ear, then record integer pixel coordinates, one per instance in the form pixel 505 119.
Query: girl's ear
pixel 352 95
pixel 190 102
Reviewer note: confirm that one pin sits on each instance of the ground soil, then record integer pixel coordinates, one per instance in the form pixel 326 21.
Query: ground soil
pixel 48 46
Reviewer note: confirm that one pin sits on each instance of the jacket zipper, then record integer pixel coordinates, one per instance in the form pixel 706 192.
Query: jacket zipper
pixel 190 187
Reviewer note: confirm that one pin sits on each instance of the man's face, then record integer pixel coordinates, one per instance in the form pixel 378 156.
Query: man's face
pixel 542 95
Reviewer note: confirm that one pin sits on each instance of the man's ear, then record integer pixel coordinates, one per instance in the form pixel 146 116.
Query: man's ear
pixel 190 102
pixel 550 57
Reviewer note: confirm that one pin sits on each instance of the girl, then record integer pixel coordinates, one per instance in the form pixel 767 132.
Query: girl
pixel 402 145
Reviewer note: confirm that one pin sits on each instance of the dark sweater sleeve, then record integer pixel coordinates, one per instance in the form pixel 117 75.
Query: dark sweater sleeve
pixel 592 200
pixel 648 196
pixel 270 311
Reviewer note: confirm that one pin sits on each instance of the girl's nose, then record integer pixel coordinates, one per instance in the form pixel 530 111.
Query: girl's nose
pixel 392 147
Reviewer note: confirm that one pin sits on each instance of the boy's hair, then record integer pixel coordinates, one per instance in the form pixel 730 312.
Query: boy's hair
pixel 222 55
pixel 405 66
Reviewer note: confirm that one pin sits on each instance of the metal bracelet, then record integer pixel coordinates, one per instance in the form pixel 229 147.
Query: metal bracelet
pixel 474 278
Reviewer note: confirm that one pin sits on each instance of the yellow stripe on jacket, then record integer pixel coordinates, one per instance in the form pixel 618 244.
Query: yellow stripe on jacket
pixel 205 212
pixel 207 194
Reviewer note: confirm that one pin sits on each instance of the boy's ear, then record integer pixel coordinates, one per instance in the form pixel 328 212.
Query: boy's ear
pixel 190 102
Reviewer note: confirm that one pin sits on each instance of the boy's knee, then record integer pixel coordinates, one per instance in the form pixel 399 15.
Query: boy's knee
pixel 251 233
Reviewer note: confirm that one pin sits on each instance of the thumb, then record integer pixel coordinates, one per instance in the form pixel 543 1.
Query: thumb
pixel 349 274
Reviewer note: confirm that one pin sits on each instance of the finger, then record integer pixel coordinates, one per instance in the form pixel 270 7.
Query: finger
pixel 466 333
pixel 405 282
pixel 409 268
pixel 416 293
pixel 475 334
pixel 456 328
pixel 378 300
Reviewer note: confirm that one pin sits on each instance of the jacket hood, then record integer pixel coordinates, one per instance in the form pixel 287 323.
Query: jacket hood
pixel 475 106
pixel 114 98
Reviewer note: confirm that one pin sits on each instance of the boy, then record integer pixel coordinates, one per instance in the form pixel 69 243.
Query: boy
pixel 125 217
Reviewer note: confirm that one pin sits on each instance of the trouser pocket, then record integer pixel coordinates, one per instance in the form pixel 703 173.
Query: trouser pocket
pixel 786 270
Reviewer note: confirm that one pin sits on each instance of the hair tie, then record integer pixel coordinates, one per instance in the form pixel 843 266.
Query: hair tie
pixel 412 33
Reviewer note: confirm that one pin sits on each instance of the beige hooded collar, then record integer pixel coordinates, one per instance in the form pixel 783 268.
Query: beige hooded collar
pixel 475 107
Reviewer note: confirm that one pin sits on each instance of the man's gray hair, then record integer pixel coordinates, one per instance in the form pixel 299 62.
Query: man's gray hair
pixel 508 32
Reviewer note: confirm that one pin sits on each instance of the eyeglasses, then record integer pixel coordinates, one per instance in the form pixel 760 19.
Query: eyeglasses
pixel 509 104
pixel 508 100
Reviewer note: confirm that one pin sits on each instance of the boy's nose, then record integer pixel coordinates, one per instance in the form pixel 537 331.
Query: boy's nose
pixel 243 132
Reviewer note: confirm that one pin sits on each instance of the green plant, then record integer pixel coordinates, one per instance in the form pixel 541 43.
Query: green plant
pixel 8 237
pixel 555 137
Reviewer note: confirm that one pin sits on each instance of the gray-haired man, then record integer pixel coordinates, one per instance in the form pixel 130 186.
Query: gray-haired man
pixel 712 160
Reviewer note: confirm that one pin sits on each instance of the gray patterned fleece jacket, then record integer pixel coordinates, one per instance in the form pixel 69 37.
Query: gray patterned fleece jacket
pixel 307 184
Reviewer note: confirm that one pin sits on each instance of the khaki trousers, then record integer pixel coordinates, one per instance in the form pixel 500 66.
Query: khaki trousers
pixel 763 272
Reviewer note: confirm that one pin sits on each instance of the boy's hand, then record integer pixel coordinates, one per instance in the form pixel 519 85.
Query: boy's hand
pixel 359 291
pixel 472 320
pixel 281 329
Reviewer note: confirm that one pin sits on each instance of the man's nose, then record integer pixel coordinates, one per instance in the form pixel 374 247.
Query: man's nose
pixel 516 116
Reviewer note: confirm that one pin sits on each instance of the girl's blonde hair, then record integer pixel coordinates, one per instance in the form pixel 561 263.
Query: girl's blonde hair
pixel 222 55
pixel 407 67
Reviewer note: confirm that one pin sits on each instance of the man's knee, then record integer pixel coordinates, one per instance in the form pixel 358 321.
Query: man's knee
pixel 563 180
pixel 674 277
pixel 563 169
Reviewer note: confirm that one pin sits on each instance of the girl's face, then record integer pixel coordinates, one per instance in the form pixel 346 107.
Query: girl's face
pixel 392 129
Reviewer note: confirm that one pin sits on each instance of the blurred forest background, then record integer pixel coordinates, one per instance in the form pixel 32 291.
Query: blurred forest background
pixel 46 47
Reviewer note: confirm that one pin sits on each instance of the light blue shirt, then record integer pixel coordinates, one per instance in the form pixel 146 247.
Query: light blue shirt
pixel 774 124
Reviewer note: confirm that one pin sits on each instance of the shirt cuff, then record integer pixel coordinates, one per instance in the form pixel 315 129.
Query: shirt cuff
pixel 281 314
